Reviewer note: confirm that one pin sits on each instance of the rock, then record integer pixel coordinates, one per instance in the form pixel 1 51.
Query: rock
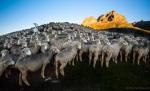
pixel 112 16
pixel 110 20
pixel 89 20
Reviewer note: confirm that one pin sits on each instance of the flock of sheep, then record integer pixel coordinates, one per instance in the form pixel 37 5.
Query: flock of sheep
pixel 64 43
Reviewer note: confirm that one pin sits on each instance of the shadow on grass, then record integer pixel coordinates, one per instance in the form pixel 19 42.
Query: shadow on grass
pixel 82 77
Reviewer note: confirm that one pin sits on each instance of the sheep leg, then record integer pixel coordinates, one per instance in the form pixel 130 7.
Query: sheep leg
pixel 80 56
pixel 95 59
pixel 62 68
pixel 43 71
pixel 69 62
pixel 56 69
pixel 107 60
pixel 138 59
pixel 90 58
pixel 24 78
pixel 20 80
pixel 133 57
pixel 145 59
pixel 102 60
pixel 126 57
pixel 77 57
pixel 115 59
pixel 73 61
pixel 121 56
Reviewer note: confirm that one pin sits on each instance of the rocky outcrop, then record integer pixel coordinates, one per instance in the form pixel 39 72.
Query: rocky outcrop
pixel 89 20
pixel 110 20
pixel 112 16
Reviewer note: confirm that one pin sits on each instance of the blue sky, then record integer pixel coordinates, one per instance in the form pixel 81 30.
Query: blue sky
pixel 21 14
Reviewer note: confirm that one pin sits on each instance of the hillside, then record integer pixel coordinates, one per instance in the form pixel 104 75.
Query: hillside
pixel 82 76
pixel 142 24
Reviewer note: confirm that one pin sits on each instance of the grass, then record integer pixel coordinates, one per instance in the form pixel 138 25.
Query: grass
pixel 118 77
pixel 82 77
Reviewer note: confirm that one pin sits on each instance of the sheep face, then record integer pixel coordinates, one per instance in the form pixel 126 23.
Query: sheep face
pixel 26 51
pixel 9 61
pixel 9 45
pixel 24 44
pixel 44 45
pixel 123 42
pixel 39 43
pixel 4 52
pixel 54 49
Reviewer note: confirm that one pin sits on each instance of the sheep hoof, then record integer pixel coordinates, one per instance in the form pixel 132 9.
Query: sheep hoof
pixel 49 78
pixel 27 84
pixel 43 77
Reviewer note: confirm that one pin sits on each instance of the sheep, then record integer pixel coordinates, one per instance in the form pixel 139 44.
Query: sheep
pixel 105 45
pixel 44 47
pixel 4 52
pixel 117 47
pixel 35 47
pixel 134 51
pixel 33 63
pixel 94 50
pixel 7 44
pixel 106 51
pixel 127 49
pixel 60 43
pixel 21 41
pixel 15 50
pixel 112 51
pixel 142 51
pixel 84 49
pixel 66 55
pixel 5 61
